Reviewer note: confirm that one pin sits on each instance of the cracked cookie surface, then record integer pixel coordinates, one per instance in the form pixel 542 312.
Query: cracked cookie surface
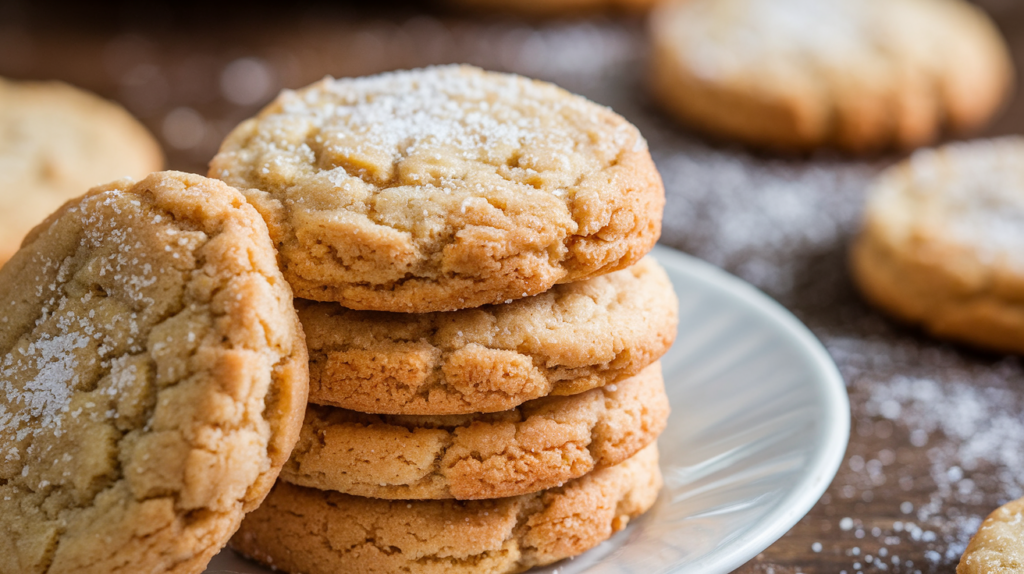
pixel 56 141
pixel 444 188
pixel 316 532
pixel 941 243
pixel 858 75
pixel 571 339
pixel 154 379
pixel 541 444
pixel 998 546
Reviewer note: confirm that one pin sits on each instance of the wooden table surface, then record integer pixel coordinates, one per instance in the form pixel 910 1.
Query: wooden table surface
pixel 938 434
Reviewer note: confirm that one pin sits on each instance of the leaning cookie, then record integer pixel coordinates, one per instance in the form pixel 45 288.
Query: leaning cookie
pixel 859 75
pixel 154 379
pixel 541 444
pixel 998 547
pixel 444 188
pixel 942 243
pixel 568 340
pixel 306 530
pixel 56 141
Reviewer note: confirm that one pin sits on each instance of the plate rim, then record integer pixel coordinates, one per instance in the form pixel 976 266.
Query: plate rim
pixel 833 441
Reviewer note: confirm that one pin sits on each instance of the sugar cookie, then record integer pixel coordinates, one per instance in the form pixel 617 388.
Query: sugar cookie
pixel 444 188
pixel 154 379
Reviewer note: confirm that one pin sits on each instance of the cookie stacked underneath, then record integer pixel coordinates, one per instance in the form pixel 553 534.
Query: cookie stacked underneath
pixel 483 326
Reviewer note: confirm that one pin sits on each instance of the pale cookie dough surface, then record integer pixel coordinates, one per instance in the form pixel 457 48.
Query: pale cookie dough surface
pixel 998 547
pixel 57 141
pixel 541 444
pixel 316 532
pixel 859 75
pixel 943 243
pixel 154 379
pixel 565 341
pixel 444 188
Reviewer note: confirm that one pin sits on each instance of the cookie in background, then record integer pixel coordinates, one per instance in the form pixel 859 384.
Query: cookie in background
pixel 858 75
pixel 942 244
pixel 57 141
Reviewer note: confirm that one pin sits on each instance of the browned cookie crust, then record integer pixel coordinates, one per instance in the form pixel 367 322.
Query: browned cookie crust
pixel 998 547
pixel 316 532
pixel 444 188
pixel 571 339
pixel 154 379
pixel 541 444
pixel 859 75
pixel 941 244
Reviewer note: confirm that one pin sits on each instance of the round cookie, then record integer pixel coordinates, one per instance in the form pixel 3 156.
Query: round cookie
pixel 550 8
pixel 565 341
pixel 998 547
pixel 56 141
pixel 444 188
pixel 154 379
pixel 858 75
pixel 317 532
pixel 541 444
pixel 942 243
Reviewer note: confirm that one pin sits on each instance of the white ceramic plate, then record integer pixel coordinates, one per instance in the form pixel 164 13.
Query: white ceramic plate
pixel 760 421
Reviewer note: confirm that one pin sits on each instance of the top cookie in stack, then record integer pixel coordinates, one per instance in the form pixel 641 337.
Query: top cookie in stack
pixel 444 188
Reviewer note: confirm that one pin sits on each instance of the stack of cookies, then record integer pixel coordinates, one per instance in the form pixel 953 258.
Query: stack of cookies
pixel 483 325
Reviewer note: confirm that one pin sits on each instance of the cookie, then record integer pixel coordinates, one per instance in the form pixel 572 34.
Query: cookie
pixel 998 547
pixel 444 188
pixel 550 8
pixel 154 379
pixel 857 75
pixel 316 532
pixel 541 444
pixel 57 141
pixel 941 243
pixel 571 339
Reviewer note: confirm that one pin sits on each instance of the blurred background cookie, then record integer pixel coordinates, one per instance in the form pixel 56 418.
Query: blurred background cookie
pixel 943 243
pixel 859 75
pixel 56 142
pixel 444 188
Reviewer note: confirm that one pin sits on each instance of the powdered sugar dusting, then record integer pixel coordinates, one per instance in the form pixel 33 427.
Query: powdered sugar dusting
pixel 972 194
pixel 47 395
pixel 760 219
pixel 965 428
pixel 435 112
pixel 94 306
